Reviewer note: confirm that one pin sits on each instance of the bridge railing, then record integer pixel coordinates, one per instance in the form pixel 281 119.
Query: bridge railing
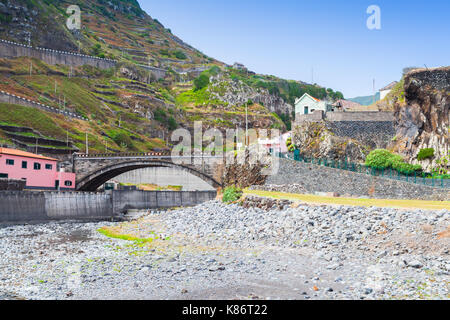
pixel 122 155
pixel 143 155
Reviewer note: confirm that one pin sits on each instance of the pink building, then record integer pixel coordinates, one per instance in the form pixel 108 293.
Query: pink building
pixel 39 172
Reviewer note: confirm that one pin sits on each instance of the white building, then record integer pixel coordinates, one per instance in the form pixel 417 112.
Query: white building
pixel 239 66
pixel 277 144
pixel 307 104
pixel 385 91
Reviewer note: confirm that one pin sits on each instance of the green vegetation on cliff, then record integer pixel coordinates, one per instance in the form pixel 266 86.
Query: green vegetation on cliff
pixel 382 159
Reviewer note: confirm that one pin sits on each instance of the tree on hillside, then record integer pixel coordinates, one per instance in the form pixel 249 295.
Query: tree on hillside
pixel 201 82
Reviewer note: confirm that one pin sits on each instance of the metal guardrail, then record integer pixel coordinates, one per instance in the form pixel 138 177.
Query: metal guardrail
pixel 140 155
pixel 426 180
pixel 122 155
pixel 44 107
pixel 56 51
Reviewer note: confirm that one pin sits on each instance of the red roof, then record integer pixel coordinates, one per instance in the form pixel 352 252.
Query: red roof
pixel 307 94
pixel 19 153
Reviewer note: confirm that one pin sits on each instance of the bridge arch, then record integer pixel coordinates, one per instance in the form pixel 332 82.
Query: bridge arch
pixel 99 177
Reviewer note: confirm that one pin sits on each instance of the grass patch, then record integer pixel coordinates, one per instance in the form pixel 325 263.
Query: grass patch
pixel 30 117
pixel 231 194
pixel 111 234
pixel 382 203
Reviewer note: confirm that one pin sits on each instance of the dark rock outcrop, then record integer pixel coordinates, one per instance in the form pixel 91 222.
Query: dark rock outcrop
pixel 247 168
pixel 423 121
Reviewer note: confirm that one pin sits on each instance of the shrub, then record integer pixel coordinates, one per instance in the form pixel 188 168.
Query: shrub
pixel 180 55
pixel 231 194
pixel 406 168
pixel 96 50
pixel 159 115
pixel 290 145
pixel 123 140
pixel 164 52
pixel 442 164
pixel 288 142
pixel 172 123
pixel 201 82
pixel 382 159
pixel 425 154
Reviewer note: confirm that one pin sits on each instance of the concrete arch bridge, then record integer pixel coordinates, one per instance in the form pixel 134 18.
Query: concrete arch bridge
pixel 95 170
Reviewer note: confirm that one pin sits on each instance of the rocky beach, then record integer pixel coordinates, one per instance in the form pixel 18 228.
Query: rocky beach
pixel 219 251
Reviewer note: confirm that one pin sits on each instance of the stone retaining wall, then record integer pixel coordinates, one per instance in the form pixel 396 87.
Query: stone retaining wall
pixel 24 207
pixel 377 134
pixel 360 116
pixel 10 50
pixel 13 99
pixel 12 185
pixel 357 116
pixel 124 200
pixel 316 178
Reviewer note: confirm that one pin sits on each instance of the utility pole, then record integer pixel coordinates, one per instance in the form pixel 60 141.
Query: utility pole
pixel 236 138
pixel 246 125
pixel 87 144
pixel 31 67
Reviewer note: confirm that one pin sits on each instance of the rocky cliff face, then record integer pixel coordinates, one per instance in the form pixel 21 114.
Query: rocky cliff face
pixel 315 139
pixel 235 92
pixel 23 22
pixel 423 121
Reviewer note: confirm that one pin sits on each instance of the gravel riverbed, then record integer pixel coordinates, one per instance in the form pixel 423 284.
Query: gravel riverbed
pixel 218 251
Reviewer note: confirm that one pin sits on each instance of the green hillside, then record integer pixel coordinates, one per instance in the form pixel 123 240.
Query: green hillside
pixel 129 110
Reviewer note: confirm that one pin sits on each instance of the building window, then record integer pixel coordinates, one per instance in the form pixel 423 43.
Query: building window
pixel 3 176
pixel 24 164
pixel 9 162
pixel 37 166
pixel 48 167
pixel 68 183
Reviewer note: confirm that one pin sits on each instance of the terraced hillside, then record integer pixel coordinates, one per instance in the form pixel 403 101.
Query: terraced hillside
pixel 127 107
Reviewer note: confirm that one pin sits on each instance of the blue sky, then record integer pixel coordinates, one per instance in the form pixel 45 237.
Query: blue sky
pixel 290 38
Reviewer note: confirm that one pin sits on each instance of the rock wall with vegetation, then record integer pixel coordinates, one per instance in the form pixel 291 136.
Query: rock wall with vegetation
pixel 342 139
pixel 423 119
